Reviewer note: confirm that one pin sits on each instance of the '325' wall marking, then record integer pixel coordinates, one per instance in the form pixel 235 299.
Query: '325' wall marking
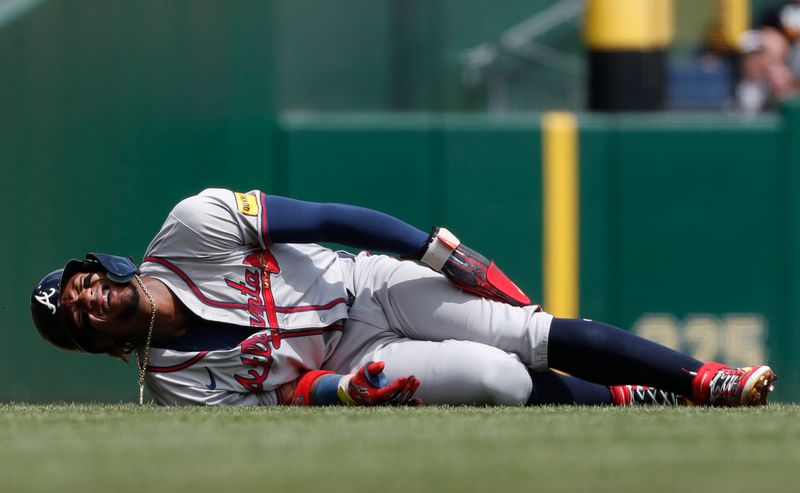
pixel 736 339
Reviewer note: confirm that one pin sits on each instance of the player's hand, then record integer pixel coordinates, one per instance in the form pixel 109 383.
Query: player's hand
pixel 370 387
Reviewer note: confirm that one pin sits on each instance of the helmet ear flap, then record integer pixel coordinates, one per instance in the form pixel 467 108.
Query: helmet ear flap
pixel 117 269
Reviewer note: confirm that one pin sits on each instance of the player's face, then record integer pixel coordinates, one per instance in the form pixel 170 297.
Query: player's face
pixel 99 306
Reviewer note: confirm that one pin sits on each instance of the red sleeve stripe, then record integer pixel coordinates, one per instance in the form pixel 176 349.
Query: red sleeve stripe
pixel 289 334
pixel 308 308
pixel 179 366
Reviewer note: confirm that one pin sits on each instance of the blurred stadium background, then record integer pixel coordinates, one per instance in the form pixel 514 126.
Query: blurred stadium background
pixel 111 112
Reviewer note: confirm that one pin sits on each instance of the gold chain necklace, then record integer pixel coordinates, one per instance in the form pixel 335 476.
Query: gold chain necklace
pixel 143 359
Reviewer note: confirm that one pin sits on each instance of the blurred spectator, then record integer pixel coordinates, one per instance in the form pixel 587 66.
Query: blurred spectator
pixel 786 20
pixel 770 66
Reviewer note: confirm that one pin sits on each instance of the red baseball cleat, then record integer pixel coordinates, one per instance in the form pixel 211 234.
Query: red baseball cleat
pixel 722 386
pixel 641 395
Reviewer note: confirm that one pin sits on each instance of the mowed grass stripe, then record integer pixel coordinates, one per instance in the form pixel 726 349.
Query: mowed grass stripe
pixel 123 448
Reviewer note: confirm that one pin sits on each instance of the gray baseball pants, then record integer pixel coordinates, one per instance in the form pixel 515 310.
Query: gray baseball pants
pixel 464 349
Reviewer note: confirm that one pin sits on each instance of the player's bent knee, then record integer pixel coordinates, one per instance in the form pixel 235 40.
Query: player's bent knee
pixel 506 381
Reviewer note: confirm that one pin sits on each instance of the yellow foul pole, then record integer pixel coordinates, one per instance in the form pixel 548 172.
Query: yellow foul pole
pixel 561 214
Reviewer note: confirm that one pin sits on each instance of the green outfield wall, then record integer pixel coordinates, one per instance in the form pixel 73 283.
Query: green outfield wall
pixel 688 229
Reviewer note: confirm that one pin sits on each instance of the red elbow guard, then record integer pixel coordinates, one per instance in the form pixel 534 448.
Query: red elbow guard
pixel 508 291
pixel 470 270
pixel 302 393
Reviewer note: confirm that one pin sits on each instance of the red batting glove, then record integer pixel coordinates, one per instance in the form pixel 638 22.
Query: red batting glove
pixel 368 387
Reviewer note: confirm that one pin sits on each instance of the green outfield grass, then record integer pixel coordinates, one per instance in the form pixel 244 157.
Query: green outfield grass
pixel 125 448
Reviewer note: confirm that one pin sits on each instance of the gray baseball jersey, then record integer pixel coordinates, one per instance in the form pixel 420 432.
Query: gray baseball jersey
pixel 309 308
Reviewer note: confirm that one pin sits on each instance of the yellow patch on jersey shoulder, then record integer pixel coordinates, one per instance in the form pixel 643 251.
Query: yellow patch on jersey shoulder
pixel 247 204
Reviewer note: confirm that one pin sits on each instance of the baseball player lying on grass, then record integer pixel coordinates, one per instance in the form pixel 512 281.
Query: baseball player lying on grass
pixel 235 304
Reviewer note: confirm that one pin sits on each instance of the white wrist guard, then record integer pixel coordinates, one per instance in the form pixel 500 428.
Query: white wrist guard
pixel 440 245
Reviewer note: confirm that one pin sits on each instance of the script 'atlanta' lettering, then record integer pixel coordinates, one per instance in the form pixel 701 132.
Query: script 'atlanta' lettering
pixel 257 288
pixel 257 352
